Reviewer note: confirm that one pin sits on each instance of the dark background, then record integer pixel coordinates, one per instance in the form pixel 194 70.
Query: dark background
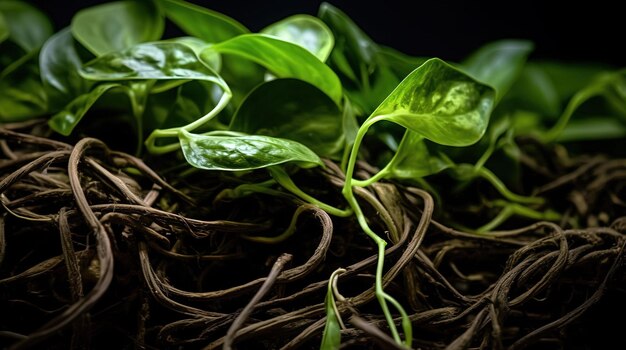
pixel 593 31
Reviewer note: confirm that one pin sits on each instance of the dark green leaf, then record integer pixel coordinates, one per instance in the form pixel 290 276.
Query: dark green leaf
pixel 24 24
pixel 399 63
pixel 159 60
pixel 117 26
pixel 306 31
pixel 66 120
pixel 413 159
pixel 611 86
pixel 535 91
pixel 22 95
pixel 233 153
pixel 283 59
pixel 4 30
pixel 440 103
pixel 354 50
pixel 596 128
pixel 295 110
pixel 379 85
pixel 569 78
pixel 208 25
pixel 59 64
pixel 499 63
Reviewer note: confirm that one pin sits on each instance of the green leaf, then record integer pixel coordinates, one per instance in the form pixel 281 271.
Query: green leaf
pixel 295 110
pixel 159 61
pixel 611 86
pixel 366 76
pixel 596 128
pixel 234 153
pixel 208 25
pixel 569 78
pixel 22 95
pixel 380 84
pixel 535 91
pixel 413 159
pixel 399 63
pixel 117 26
pixel 499 63
pixel 66 120
pixel 354 51
pixel 283 59
pixel 4 29
pixel 171 109
pixel 306 31
pixel 331 338
pixel 24 25
pixel 59 64
pixel 440 103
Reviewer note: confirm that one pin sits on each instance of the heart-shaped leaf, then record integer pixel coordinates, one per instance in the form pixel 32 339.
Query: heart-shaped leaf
pixel 295 110
pixel 59 64
pixel 499 63
pixel 233 153
pixel 117 26
pixel 441 103
pixel 159 61
pixel 23 24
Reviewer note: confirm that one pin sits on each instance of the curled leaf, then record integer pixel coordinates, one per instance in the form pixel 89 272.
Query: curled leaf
pixel 306 31
pixel 233 153
pixel 283 59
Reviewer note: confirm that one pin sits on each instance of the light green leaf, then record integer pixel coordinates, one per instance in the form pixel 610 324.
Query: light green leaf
pixel 24 25
pixel 117 26
pixel 440 103
pixel 159 61
pixel 208 25
pixel 283 59
pixel 234 153
pixel 59 64
pixel 499 63
pixel 306 31
pixel 66 120
pixel 331 337
pixel 295 110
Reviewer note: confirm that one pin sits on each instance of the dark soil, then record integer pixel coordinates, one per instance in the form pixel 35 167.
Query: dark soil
pixel 98 250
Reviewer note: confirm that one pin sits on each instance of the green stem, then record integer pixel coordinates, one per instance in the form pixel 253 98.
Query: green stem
pixel 510 209
pixel 504 191
pixel 348 193
pixel 281 176
pixel 375 178
pixel 289 231
pixel 483 159
pixel 173 132
pixel 578 99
